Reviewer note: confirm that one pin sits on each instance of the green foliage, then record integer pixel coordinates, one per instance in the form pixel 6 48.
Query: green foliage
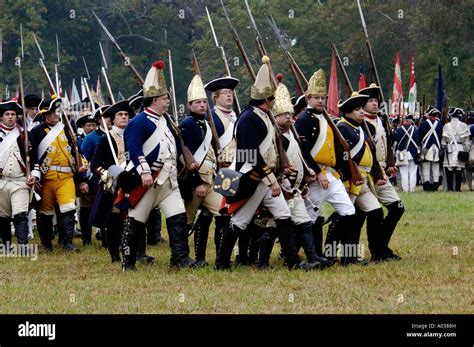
pixel 435 31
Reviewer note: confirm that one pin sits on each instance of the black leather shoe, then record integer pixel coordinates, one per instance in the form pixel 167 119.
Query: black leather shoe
pixel 200 264
pixel 147 260
pixel 376 258
pixel 129 268
pixel 390 256
pixel 362 261
pixel 183 263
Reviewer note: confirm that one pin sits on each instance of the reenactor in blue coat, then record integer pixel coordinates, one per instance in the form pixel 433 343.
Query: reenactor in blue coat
pixel 153 150
pixel 407 144
pixel 105 215
pixel 197 136
pixel 430 132
pixel 257 158
pixel 224 116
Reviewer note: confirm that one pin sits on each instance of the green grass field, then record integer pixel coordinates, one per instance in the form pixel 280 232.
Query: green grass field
pixel 434 237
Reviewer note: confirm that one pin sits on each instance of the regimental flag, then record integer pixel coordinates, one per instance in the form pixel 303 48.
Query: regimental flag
pixel 397 94
pixel 98 92
pixel 362 83
pixel 75 97
pixel 440 95
pixel 412 93
pixel 333 93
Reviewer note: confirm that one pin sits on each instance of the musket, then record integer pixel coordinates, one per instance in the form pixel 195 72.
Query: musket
pixel 371 54
pixel 224 59
pixel 384 110
pixel 239 43
pixel 215 137
pixel 56 72
pixel 106 78
pixel 284 161
pixel 106 129
pixel 378 173
pixel 188 157
pixel 25 119
pixel 87 69
pixel 21 43
pixel 119 50
pixel 103 56
pixel 1 46
pixel 285 47
pixel 173 93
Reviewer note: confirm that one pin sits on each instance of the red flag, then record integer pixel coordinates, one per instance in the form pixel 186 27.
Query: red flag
pixel 412 93
pixel 333 94
pixel 362 83
pixel 397 95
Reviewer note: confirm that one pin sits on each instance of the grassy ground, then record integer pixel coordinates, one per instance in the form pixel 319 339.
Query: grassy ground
pixel 435 239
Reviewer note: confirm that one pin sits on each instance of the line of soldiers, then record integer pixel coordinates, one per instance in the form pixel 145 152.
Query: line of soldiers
pixel 135 164
pixel 262 175
pixel 432 146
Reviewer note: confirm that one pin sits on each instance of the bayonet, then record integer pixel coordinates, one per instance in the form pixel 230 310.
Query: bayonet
pixel 224 58
pixel 173 92
pixel 87 70
pixel 39 47
pixel 22 43
pixel 103 56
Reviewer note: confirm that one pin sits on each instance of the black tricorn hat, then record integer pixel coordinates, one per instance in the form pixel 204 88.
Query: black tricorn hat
pixel 32 100
pixel 47 106
pixel 432 111
pixel 10 105
pixel 455 112
pixel 122 105
pixel 373 91
pixel 136 99
pixel 87 118
pixel 222 83
pixel 356 100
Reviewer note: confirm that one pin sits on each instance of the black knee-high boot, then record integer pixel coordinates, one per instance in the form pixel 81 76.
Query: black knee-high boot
pixel 317 231
pixel 230 233
pixel 449 179
pixel 244 242
pixel 86 228
pixel 178 234
pixel 68 226
pixel 114 235
pixel 333 238
pixel 267 240
pixel 305 236
pixel 129 244
pixel 141 244
pixel 201 236
pixel 375 234
pixel 345 230
pixel 221 222
pixel 45 230
pixel 457 180
pixel 395 212
pixel 254 246
pixel 285 234
pixel 5 230
pixel 20 221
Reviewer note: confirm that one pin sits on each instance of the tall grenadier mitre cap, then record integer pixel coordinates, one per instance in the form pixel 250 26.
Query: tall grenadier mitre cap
pixel 155 83
pixel 263 86
pixel 282 101
pixel 317 84
pixel 196 89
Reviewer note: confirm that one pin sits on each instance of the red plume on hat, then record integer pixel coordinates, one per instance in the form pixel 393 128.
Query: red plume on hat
pixel 279 77
pixel 159 64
